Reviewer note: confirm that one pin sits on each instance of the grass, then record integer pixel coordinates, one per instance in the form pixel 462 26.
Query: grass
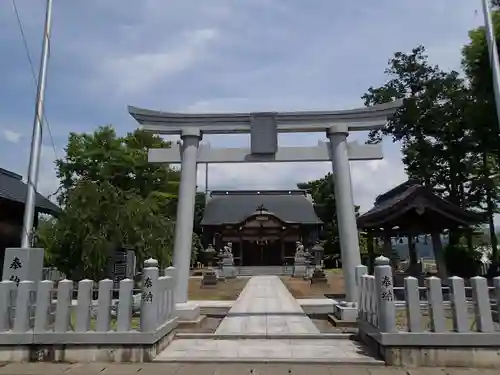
pixel 300 288
pixel 230 289
pixel 227 290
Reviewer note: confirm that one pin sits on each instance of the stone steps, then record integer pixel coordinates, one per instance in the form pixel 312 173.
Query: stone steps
pixel 265 270
pixel 267 325
pixel 331 351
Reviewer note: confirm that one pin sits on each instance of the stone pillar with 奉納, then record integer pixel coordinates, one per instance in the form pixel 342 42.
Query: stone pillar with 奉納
pixel 185 211
pixel 346 216
pixel 23 264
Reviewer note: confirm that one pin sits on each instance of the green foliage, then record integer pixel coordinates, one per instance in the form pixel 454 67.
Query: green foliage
pixel 111 197
pixel 485 124
pixel 196 248
pixel 199 209
pixel 444 126
pixel 323 194
pixel 431 125
pixel 461 261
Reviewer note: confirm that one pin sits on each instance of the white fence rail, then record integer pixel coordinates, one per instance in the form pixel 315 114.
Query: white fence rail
pixel 379 308
pixel 37 313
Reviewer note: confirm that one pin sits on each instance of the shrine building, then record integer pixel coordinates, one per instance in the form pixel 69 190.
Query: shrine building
pixel 263 226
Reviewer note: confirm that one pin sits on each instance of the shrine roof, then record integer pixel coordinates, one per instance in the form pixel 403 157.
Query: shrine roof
pixel 411 198
pixel 232 207
pixel 13 189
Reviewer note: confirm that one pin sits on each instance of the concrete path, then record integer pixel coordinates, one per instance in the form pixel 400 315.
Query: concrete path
pixel 265 306
pixel 222 369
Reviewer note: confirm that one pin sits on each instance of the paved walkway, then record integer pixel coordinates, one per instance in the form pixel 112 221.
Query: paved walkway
pixel 266 307
pixel 222 369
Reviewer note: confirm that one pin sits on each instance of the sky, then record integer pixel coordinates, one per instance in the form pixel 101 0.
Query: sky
pixel 216 56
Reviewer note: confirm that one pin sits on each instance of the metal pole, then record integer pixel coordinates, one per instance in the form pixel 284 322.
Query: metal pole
pixel 36 140
pixel 206 180
pixel 493 52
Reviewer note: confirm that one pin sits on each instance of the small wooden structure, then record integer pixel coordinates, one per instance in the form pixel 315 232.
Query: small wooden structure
pixel 409 210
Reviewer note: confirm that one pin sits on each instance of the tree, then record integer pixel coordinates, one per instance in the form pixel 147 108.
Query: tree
pixel 121 161
pixel 476 64
pixel 111 197
pixel 323 194
pixel 434 128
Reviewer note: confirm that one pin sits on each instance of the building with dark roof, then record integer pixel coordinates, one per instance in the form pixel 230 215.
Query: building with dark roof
pixel 263 226
pixel 12 199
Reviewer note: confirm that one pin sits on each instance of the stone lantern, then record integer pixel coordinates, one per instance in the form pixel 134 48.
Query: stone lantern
pixel 317 252
pixel 209 254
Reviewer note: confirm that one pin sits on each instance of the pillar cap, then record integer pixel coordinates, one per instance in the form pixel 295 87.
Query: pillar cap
pixel 191 132
pixel 382 261
pixel 150 263
pixel 337 129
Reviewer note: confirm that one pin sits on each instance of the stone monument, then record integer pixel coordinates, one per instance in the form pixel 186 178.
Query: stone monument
pixel 300 261
pixel 23 264
pixel 228 268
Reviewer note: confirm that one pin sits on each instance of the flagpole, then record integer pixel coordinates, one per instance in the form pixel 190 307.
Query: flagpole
pixel 36 139
pixel 493 54
pixel 206 179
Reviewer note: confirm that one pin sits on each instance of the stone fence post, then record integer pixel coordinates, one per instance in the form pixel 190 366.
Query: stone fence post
pixel 359 271
pixel 149 298
pixel 384 290
pixel 172 273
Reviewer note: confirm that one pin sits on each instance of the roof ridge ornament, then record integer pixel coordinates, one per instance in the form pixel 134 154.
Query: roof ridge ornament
pixel 261 209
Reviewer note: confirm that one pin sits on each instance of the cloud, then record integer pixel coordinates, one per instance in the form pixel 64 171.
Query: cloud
pixel 11 135
pixel 144 71
pixel 218 56
pixel 369 178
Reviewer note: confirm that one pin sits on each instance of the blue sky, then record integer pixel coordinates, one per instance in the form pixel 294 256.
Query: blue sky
pixel 217 55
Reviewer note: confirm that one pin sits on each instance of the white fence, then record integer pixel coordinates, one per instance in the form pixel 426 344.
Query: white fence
pixel 36 313
pixel 440 311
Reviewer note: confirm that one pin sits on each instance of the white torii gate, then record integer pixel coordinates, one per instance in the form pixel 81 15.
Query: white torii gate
pixel 264 129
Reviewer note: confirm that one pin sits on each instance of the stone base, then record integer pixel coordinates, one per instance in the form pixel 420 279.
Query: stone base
pixel 190 323
pixel 85 353
pixel 346 311
pixel 299 271
pixel 317 306
pixel 431 356
pixel 337 323
pixel 187 312
pixel 209 278
pixel 229 272
pixel 213 308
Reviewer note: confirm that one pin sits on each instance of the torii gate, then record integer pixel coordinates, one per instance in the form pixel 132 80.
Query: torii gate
pixel 264 128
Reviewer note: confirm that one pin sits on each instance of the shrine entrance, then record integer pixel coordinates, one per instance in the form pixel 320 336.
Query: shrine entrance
pixel 263 129
pixel 262 253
